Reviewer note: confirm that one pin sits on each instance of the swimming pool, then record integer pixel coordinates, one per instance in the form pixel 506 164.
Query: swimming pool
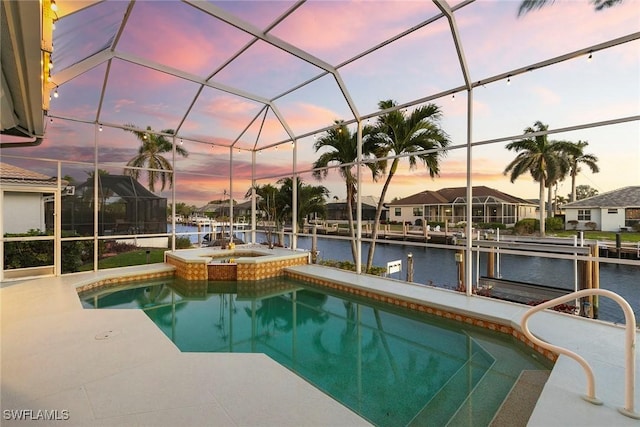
pixel 390 365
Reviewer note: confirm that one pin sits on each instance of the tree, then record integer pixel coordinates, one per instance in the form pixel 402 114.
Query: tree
pixel 271 206
pixel 543 159
pixel 584 191
pixel 528 5
pixel 342 146
pixel 150 156
pixel 577 157
pixel 310 200
pixel 417 136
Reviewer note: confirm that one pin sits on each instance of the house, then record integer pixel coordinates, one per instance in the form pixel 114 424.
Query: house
pixel 611 211
pixel 125 207
pixel 24 197
pixel 449 205
pixel 337 210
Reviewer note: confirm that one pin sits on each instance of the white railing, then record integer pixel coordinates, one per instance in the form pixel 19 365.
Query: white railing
pixel 629 347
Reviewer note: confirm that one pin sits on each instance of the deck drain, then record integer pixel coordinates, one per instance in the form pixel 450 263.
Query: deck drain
pixel 107 334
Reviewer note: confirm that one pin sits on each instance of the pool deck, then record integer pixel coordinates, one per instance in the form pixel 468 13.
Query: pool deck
pixel 115 367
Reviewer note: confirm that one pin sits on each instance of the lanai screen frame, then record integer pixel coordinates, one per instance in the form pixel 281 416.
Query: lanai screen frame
pixel 446 12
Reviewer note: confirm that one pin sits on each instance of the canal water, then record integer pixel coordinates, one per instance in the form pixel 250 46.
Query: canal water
pixel 437 267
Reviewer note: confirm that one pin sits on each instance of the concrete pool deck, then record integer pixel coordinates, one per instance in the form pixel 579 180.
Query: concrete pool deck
pixel 115 367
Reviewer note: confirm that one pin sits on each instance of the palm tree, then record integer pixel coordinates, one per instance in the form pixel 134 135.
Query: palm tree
pixel 342 148
pixel 270 204
pixel 150 156
pixel 529 5
pixel 417 135
pixel 311 199
pixel 543 159
pixel 577 156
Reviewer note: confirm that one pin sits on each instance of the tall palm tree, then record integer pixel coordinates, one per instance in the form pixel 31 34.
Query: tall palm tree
pixel 576 157
pixel 543 159
pixel 150 156
pixel 399 133
pixel 342 146
pixel 529 5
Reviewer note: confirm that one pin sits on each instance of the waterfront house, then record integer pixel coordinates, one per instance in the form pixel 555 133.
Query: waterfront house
pixel 449 205
pixel 337 210
pixel 616 210
pixel 24 198
pixel 125 207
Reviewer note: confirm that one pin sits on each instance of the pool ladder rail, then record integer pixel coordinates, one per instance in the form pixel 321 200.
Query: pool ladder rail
pixel 629 347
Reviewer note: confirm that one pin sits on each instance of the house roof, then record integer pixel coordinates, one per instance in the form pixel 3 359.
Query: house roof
pixel 122 185
pixel 450 194
pixel 366 200
pixel 625 197
pixel 14 174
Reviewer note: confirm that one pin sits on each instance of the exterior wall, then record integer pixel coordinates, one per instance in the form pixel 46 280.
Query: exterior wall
pixel 527 212
pixel 612 221
pixel 571 214
pixel 456 214
pixel 406 213
pixel 22 212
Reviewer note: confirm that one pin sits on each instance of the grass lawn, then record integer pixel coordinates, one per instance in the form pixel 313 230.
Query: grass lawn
pixel 137 257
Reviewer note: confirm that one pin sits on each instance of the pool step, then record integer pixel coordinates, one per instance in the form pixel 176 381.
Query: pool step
pixel 517 407
pixel 446 403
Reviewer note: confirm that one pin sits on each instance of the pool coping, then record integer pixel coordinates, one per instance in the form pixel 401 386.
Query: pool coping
pixel 561 400
pixel 56 298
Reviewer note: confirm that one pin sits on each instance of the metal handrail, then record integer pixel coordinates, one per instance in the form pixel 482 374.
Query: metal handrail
pixel 630 345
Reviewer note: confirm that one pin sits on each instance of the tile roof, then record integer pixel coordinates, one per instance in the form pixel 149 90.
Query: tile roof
pixel 625 197
pixel 450 194
pixel 14 174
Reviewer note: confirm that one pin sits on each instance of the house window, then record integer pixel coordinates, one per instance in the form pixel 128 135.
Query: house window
pixel 612 211
pixel 584 214
pixel 398 212
pixel 417 212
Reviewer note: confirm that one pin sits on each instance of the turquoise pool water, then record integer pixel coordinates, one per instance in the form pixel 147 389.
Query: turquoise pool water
pixel 392 366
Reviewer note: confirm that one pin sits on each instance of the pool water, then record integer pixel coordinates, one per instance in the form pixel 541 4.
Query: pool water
pixel 392 366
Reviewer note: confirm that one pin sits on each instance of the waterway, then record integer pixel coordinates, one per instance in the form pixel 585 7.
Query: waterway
pixel 437 267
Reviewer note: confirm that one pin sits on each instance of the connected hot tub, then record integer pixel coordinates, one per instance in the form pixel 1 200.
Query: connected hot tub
pixel 246 262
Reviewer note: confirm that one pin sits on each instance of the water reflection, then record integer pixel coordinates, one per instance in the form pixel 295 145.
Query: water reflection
pixel 389 365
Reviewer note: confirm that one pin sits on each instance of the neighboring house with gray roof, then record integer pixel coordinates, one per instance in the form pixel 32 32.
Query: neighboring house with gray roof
pixel 24 196
pixel 611 211
pixel 450 205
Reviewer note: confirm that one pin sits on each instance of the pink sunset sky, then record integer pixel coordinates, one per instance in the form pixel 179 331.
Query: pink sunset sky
pixel 178 36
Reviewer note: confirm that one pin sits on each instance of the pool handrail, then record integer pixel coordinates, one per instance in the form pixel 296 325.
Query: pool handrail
pixel 630 345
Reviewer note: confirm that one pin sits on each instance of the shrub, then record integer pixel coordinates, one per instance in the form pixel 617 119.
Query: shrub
pixel 573 223
pixel 591 225
pixel 636 227
pixel 182 242
pixel 28 254
pixel 40 253
pixel 527 226
pixel 554 224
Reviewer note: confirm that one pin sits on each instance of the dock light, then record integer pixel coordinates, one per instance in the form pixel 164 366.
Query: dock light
pixel 54 6
pixel 100 128
pixel 590 57
pixel 55 92
pixel 508 79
